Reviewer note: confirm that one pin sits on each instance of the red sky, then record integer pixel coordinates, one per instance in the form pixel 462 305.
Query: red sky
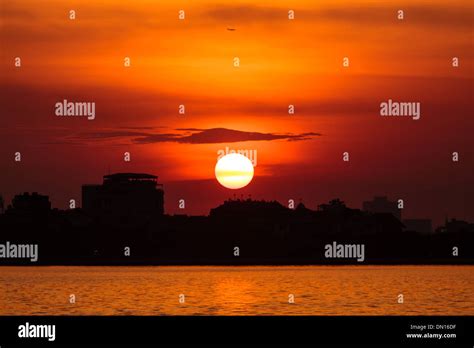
pixel 283 62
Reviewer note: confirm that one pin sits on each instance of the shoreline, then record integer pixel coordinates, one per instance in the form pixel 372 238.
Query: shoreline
pixel 226 264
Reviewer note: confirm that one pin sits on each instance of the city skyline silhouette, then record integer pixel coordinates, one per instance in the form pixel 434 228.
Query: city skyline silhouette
pixel 126 211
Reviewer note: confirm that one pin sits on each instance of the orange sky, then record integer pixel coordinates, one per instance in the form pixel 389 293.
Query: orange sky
pixel 283 62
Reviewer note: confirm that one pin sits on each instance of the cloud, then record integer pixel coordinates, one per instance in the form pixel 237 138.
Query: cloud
pixel 112 134
pixel 196 136
pixel 246 13
pixel 436 15
pixel 23 24
pixel 369 14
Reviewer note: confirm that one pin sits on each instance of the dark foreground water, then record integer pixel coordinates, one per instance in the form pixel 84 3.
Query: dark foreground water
pixel 317 290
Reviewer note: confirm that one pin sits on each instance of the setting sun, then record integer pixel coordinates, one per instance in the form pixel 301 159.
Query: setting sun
pixel 234 171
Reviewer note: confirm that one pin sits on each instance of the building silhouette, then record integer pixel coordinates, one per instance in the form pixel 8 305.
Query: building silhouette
pixel 236 208
pixel 381 204
pixel 455 226
pixel 30 204
pixel 419 225
pixel 126 210
pixel 334 206
pixel 124 197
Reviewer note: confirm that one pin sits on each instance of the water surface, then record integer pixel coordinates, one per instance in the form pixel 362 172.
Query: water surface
pixel 255 290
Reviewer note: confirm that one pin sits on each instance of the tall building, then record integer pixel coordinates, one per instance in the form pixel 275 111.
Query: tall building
pixel 381 204
pixel 124 195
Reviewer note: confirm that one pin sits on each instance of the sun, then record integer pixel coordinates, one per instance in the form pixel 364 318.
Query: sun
pixel 234 171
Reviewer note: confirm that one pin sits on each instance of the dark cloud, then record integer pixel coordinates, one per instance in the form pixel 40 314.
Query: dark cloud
pixel 224 135
pixel 196 136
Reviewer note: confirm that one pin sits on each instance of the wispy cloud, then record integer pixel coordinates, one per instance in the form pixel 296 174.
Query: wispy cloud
pixel 367 14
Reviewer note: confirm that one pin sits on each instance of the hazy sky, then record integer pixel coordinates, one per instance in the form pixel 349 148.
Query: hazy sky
pixel 282 62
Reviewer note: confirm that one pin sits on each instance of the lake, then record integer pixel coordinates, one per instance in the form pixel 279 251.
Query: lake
pixel 247 290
